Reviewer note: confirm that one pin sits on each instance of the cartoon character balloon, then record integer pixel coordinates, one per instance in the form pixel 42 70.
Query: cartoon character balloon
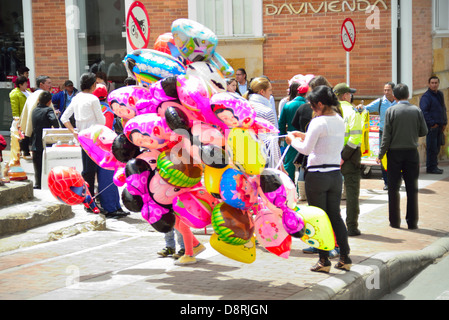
pixel 194 41
pixel 232 225
pixel 67 185
pixel 318 229
pixel 271 234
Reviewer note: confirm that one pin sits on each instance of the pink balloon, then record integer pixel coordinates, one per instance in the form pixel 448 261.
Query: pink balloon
pixel 233 110
pixel 150 131
pixel 192 211
pixel 271 234
pixel 97 142
pixel 123 100
pixel 194 93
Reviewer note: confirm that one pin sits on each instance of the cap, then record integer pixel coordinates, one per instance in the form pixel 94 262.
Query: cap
pixel 68 83
pixel 101 92
pixel 343 88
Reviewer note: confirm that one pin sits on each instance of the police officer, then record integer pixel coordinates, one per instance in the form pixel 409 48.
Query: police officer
pixel 351 156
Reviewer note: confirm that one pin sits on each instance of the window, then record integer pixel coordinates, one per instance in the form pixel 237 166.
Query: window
pixel 440 20
pixel 229 18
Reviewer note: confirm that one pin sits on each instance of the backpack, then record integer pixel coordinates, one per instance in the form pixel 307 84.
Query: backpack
pixel 117 125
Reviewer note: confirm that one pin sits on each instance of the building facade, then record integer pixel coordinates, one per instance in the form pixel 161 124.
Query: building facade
pixel 396 40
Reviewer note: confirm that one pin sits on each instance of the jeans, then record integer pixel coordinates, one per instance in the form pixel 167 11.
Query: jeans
pixel 323 190
pixel 170 239
pixel 405 163
pixel 433 141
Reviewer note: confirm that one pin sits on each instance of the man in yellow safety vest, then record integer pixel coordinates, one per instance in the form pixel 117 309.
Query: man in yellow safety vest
pixel 351 156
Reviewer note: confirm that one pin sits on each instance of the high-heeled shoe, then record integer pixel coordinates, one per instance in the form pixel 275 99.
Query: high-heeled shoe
pixel 345 263
pixel 323 265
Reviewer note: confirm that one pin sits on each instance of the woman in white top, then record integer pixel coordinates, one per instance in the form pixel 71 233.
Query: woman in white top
pixel 87 110
pixel 258 96
pixel 323 144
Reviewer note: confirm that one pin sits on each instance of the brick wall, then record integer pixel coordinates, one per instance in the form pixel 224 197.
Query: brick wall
pixel 310 43
pixel 422 43
pixel 50 40
pixel 162 14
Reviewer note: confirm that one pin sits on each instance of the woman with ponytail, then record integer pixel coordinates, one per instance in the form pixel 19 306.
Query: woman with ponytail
pixel 323 144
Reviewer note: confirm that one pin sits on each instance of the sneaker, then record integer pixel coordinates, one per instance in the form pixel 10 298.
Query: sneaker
pixel 334 253
pixel 166 252
pixel 198 249
pixel 310 250
pixel 179 254
pixel 184 260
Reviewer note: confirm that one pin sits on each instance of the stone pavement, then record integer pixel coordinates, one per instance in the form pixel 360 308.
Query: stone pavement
pixel 121 262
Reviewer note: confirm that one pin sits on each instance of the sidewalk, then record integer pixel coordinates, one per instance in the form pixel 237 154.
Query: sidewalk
pixel 383 257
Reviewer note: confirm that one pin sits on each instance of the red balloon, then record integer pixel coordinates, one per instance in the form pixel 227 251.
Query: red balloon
pixel 162 43
pixel 67 185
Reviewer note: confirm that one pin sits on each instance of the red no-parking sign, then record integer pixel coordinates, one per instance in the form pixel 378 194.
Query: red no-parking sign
pixel 138 26
pixel 348 34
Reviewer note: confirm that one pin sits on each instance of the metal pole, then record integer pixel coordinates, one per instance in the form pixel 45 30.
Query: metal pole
pixel 347 69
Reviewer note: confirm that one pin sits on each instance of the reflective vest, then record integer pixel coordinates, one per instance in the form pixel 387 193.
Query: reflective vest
pixel 353 125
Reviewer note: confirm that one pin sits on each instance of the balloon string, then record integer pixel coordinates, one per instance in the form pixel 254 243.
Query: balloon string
pixel 283 156
pixel 102 190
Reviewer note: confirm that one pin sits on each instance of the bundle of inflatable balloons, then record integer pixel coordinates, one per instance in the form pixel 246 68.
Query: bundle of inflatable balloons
pixel 191 149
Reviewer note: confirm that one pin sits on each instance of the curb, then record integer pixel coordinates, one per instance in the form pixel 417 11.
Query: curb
pixel 376 276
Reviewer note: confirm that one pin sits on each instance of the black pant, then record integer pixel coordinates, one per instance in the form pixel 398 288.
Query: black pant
pixel 403 163
pixel 25 145
pixel 37 164
pixel 323 190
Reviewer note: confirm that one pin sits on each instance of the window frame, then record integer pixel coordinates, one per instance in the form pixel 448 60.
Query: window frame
pixel 257 16
pixel 436 14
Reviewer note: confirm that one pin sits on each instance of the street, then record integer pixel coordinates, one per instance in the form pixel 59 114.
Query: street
pixel 431 284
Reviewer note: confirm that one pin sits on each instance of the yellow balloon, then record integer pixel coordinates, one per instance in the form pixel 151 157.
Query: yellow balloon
pixel 212 178
pixel 245 253
pixel 247 151
pixel 318 229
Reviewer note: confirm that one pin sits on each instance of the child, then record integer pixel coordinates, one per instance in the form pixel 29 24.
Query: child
pixel 43 116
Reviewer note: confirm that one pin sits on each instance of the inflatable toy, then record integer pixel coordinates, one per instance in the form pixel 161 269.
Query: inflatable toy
pixel 150 131
pixel 318 229
pixel 67 185
pixel 162 43
pixel 149 66
pixel 123 100
pixel 271 234
pixel 237 189
pixel 274 189
pixel 123 149
pixel 179 169
pixel 212 179
pixel 222 65
pixel 97 141
pixel 194 41
pixel 245 253
pixel 138 174
pixel 131 202
pixel 192 211
pixel 209 73
pixel 232 110
pixel 232 225
pixel 246 151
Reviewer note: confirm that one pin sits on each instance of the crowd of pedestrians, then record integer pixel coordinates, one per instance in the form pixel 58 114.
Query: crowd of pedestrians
pixel 318 124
